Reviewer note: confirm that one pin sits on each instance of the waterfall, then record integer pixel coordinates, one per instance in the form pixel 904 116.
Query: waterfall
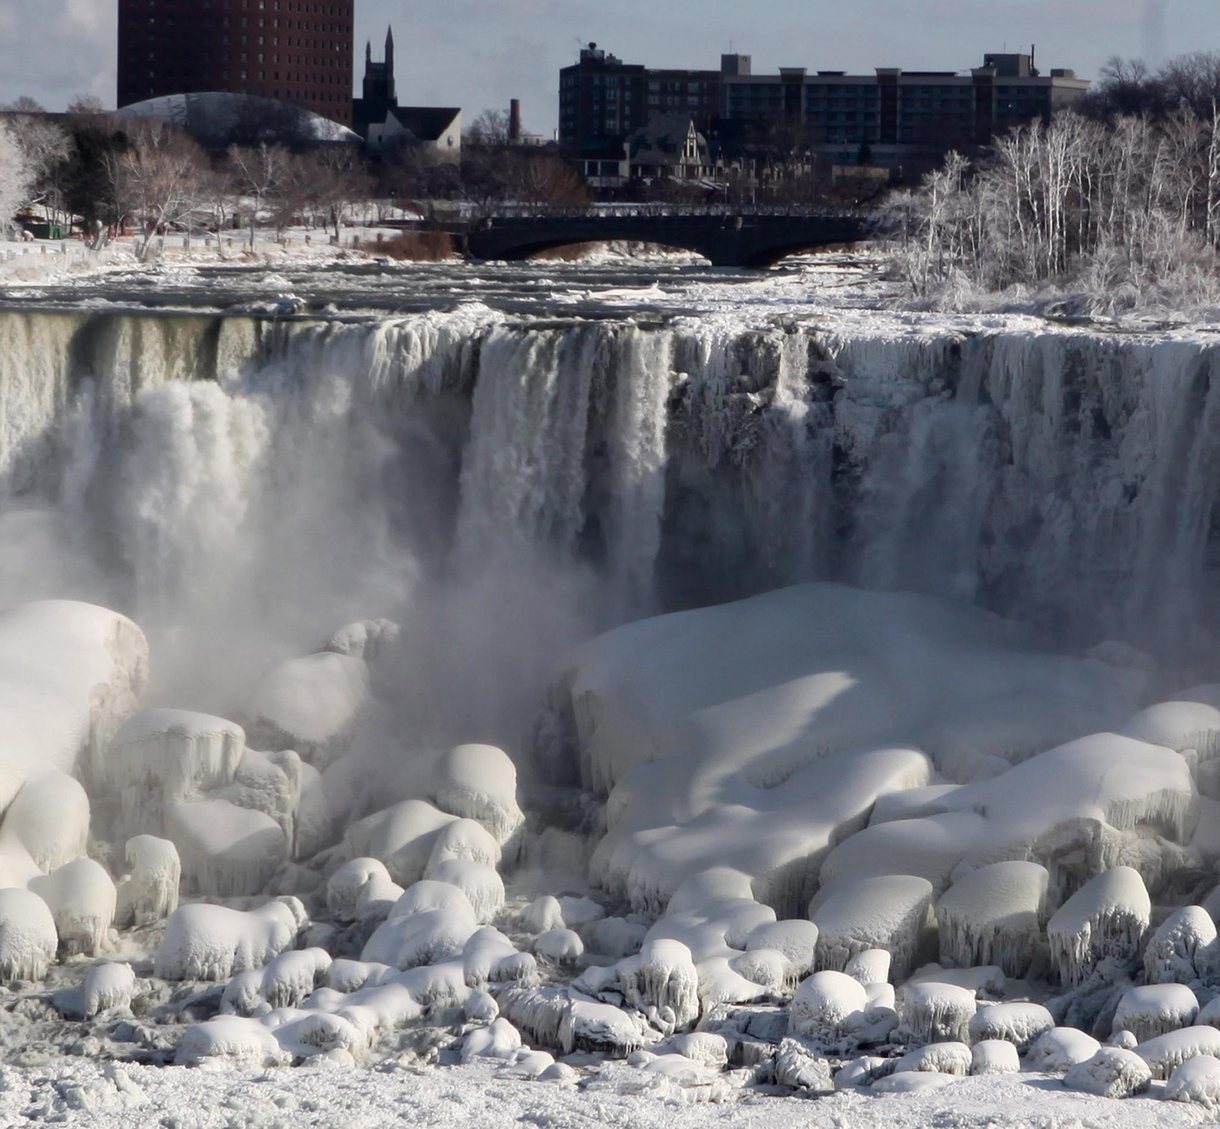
pixel 217 476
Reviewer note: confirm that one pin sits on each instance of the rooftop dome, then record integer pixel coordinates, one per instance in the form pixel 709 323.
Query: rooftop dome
pixel 223 117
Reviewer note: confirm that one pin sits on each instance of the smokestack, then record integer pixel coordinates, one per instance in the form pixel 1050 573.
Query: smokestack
pixel 514 120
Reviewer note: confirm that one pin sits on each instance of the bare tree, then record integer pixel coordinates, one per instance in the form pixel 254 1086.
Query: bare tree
pixel 339 183
pixel 489 130
pixel 257 173
pixel 16 176
pixel 161 180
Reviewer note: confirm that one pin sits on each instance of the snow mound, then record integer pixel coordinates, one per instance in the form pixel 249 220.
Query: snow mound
pixel 1180 949
pixel 1179 725
pixel 204 942
pixel 872 966
pixel 464 840
pixel 481 884
pixel 795 939
pixel 888 912
pixel 661 981
pixel 226 851
pixel 1105 918
pixel 994 915
pixel 1021 1024
pixel 1196 1080
pixel 940 1058
pixel 237 1041
pixel 994 1056
pixel 910 1081
pixel 1111 1073
pixel 828 1008
pixel 344 887
pixel 542 915
pixel 1057 1050
pixel 424 936
pixel 149 892
pixel 81 898
pixel 559 946
pixel 1165 1052
pixel 48 819
pixel 27 936
pixel 479 782
pixel 108 985
pixel 402 837
pixel 934 1013
pixel 1154 1009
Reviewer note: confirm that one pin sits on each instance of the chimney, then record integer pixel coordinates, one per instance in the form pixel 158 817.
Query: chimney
pixel 514 120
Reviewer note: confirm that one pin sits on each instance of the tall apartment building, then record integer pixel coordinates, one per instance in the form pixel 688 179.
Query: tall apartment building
pixel 898 115
pixel 601 98
pixel 298 51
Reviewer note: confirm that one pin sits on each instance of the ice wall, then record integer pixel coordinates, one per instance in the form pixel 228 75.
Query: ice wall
pixel 229 478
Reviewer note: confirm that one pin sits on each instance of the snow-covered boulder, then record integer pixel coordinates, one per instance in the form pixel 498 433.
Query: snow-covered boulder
pixel 828 1009
pixel 81 897
pixel 479 782
pixel 872 966
pixel 800 1066
pixel 542 915
pixel 27 936
pixel 1181 948
pixel 597 1028
pixel 344 886
pixel 290 978
pixel 795 939
pixel 233 1040
pixel 662 982
pixel 464 840
pixel 1196 1080
pixel 425 937
pixel 226 851
pixel 940 1058
pixel 310 704
pixel 377 899
pixel 934 1013
pixel 994 915
pixel 108 985
pixel 367 639
pixel 1021 1024
pixel 704 1047
pixel 204 942
pixel 863 1071
pixel 49 818
pixel 888 912
pixel 994 1056
pixel 149 892
pixel 499 1039
pixel 559 946
pixel 401 836
pixel 1165 1052
pixel 1057 1050
pixel 1105 918
pixel 1154 1009
pixel 480 1007
pixel 481 884
pixel 1110 1073
pixel 911 1081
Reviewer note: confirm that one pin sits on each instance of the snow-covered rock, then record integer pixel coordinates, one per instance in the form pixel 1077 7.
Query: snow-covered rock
pixel 1057 1050
pixel 48 819
pixel 1165 1052
pixel 910 1081
pixel 1110 1073
pixel 1181 948
pixel 27 935
pixel 149 892
pixel 233 1040
pixel 940 1058
pixel 795 939
pixel 344 886
pixel 1196 1080
pixel 479 782
pixel 994 1056
pixel 401 837
pixel 1107 917
pixel 464 840
pixel 425 937
pixel 888 912
pixel 933 1013
pixel 108 985
pixel 994 915
pixel 1021 1024
pixel 481 884
pixel 226 850
pixel 1154 1009
pixel 542 915
pixel 828 1008
pixel 81 897
pixel 872 966
pixel 499 1039
pixel 204 942
pixel 367 639
pixel 662 982
pixel 559 946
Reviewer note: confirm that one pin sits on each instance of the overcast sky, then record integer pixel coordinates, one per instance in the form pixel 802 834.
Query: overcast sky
pixel 478 54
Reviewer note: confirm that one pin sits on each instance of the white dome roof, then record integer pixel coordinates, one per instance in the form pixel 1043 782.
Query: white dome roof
pixel 215 114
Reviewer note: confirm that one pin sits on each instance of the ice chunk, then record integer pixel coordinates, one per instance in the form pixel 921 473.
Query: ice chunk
pixel 108 985
pixel 1107 917
pixel 941 1058
pixel 27 935
pixel 1180 949
pixel 1110 1073
pixel 402 837
pixel 542 915
pixel 1153 1009
pixel 81 897
pixel 479 782
pixel 994 915
pixel 149 893
pixel 1021 1024
pixel 226 851
pixel 799 1065
pixel 310 704
pixel 994 1056
pixel 1058 1049
pixel 482 886
pixel 559 946
pixel 888 912
pixel 934 1013
pixel 49 818
pixel 204 942
pixel 1165 1052
pixel 1196 1080
pixel 828 1009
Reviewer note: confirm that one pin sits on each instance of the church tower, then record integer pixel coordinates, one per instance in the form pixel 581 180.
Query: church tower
pixel 380 95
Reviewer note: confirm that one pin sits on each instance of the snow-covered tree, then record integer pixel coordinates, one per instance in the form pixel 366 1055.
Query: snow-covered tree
pixel 16 176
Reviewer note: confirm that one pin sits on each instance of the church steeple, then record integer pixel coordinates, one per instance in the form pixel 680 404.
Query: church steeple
pixel 368 53
pixel 389 53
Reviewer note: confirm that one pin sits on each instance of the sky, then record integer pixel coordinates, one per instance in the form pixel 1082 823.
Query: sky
pixel 477 54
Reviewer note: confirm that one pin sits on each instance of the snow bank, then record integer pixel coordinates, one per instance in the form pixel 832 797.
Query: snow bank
pixel 149 893
pixel 1165 1052
pixel 1153 1009
pixel 479 782
pixel 1196 1080
pixel 1021 1024
pixel 81 897
pixel 994 915
pixel 1110 1073
pixel 934 1013
pixel 27 936
pixel 1181 948
pixel 204 942
pixel 888 912
pixel 1106 918
pixel 1058 1049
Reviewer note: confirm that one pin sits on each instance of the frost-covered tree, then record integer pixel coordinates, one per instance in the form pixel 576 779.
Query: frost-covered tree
pixel 161 181
pixel 16 176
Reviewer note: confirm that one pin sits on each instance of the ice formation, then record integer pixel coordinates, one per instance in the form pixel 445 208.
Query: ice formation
pixel 27 935
pixel 828 1008
pixel 994 1056
pixel 81 897
pixel 1105 918
pixel 931 1012
pixel 1153 1009
pixel 1111 1072
pixel 206 942
pixel 1196 1080
pixel 1181 949
pixel 1021 1024
pixel 479 782
pixel 108 985
pixel 994 915
pixel 149 891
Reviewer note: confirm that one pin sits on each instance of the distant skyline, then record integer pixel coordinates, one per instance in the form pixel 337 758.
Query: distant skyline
pixel 477 54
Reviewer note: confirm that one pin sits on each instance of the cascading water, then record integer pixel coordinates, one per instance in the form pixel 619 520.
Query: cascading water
pixel 231 477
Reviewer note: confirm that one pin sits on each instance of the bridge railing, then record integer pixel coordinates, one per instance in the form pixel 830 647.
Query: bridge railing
pixel 669 211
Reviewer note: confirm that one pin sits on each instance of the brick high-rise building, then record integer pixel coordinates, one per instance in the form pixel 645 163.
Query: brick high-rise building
pixel 298 51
